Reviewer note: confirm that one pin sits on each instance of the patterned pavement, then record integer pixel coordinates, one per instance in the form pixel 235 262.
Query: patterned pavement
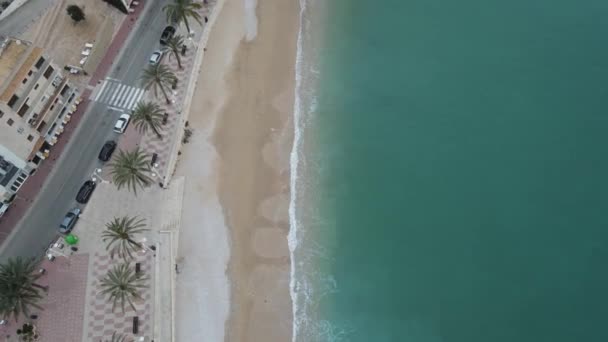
pixel 102 320
pixel 150 142
pixel 63 314
pixel 64 306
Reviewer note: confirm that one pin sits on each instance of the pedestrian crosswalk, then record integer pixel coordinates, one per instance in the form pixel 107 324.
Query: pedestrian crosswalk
pixel 117 95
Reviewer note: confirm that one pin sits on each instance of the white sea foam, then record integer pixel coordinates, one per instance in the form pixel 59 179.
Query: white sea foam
pixel 294 163
pixel 251 20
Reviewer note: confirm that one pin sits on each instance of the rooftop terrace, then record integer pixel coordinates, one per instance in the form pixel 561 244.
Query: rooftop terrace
pixel 11 53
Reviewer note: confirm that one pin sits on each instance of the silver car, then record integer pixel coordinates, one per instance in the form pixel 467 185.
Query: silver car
pixel 69 221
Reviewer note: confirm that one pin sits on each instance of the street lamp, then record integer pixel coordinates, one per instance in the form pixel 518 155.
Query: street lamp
pixel 145 248
pixel 97 174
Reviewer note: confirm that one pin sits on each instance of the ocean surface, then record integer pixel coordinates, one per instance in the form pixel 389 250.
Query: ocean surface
pixel 450 178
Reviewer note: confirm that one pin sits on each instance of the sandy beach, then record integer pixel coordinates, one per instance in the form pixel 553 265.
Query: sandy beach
pixel 233 256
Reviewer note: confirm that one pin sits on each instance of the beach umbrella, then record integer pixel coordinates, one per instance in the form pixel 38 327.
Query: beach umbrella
pixel 71 239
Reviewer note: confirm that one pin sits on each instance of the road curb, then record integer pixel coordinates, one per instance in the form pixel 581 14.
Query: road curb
pixel 12 8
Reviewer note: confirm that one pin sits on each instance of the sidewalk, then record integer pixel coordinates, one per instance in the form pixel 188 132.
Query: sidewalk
pixel 62 317
pixel 167 148
pixel 161 209
pixel 28 192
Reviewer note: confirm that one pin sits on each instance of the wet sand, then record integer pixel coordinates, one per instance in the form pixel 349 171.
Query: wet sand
pixel 235 264
pixel 253 139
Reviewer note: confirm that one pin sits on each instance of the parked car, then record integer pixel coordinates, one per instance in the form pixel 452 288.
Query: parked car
pixel 3 208
pixel 156 57
pixel 106 151
pixel 167 34
pixel 85 191
pixel 121 123
pixel 69 221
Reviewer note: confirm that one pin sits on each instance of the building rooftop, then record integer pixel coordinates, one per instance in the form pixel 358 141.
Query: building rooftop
pixel 12 52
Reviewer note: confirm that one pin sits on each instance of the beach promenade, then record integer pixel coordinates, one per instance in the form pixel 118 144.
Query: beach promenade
pixel 222 268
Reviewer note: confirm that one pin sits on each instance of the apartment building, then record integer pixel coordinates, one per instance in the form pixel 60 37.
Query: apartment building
pixel 36 101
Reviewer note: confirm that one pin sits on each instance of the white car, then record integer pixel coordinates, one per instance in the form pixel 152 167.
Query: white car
pixel 121 124
pixel 156 57
pixel 3 208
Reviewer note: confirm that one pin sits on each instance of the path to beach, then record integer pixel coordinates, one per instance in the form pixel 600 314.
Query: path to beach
pixel 237 180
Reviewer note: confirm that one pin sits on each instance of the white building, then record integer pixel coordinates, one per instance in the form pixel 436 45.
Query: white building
pixel 36 100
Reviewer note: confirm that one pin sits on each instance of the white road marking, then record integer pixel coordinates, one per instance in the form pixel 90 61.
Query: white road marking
pixel 135 99
pixel 111 94
pixel 100 90
pixel 117 95
pixel 128 97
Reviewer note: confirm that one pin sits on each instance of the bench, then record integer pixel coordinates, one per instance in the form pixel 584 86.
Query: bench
pixel 135 325
pixel 154 157
pixel 165 118
pixel 137 268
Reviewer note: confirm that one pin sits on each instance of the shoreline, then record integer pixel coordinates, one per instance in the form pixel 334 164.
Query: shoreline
pixel 253 138
pixel 234 259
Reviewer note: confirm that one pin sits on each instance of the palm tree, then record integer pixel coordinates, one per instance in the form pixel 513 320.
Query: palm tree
pixel 18 289
pixel 120 234
pixel 158 76
pixel 123 285
pixel 148 115
pixel 180 10
pixel 131 169
pixel 174 46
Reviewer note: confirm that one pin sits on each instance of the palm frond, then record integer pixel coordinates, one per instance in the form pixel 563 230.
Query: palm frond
pixel 181 10
pixel 18 289
pixel 122 286
pixel 158 76
pixel 119 236
pixel 148 115
pixel 174 46
pixel 131 169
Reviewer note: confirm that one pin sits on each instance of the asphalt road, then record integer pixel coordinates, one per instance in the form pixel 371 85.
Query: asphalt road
pixel 79 159
pixel 17 22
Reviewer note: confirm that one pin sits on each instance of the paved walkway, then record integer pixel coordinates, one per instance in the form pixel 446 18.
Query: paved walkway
pixel 165 302
pixel 161 209
pixel 172 130
pixel 63 314
pixel 102 320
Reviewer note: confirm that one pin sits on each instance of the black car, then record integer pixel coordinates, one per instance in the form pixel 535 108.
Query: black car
pixel 85 191
pixel 107 150
pixel 168 32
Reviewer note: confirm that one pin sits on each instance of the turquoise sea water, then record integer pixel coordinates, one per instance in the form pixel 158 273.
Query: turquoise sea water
pixel 452 171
